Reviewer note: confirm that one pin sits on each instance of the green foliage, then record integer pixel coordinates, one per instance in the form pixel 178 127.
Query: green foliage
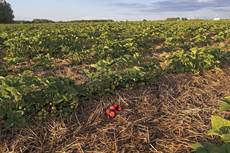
pixel 184 19
pixel 226 104
pixel 14 117
pixel 6 12
pixel 42 21
pixel 196 61
pixel 112 49
pixel 205 147
pixel 44 96
pixel 134 70
pixel 173 19
pixel 220 127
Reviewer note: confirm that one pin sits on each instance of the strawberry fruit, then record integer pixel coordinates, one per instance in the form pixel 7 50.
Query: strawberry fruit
pixel 120 108
pixel 112 114
pixel 108 111
pixel 10 70
pixel 48 109
pixel 115 105
pixel 112 108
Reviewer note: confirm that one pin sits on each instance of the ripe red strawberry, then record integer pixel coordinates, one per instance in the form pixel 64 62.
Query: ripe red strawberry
pixel 10 70
pixel 136 83
pixel 44 53
pixel 115 105
pixel 112 114
pixel 120 108
pixel 128 87
pixel 112 108
pixel 41 107
pixel 108 111
pixel 48 109
pixel 3 122
pixel 7 55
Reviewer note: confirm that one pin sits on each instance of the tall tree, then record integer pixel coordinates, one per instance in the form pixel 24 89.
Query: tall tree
pixel 6 13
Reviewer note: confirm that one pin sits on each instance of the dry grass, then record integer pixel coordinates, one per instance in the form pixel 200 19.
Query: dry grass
pixel 169 116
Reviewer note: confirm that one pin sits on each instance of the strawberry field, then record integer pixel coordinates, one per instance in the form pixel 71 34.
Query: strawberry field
pixel 168 80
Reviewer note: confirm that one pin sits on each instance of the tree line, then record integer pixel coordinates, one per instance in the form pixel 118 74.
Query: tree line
pixel 176 19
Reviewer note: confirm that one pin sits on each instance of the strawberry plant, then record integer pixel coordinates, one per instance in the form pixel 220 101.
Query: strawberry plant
pixel 109 76
pixel 198 60
pixel 14 117
pixel 220 127
pixel 37 94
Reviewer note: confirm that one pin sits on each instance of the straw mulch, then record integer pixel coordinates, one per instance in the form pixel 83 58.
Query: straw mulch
pixel 167 117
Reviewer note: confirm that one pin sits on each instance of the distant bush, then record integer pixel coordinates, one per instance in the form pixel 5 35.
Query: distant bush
pixel 42 21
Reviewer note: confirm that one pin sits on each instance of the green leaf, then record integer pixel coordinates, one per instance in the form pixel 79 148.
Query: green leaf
pixel 226 137
pixel 18 114
pixel 86 71
pixel 7 82
pixel 10 114
pixel 26 72
pixel 226 148
pixel 64 114
pixel 3 93
pixel 220 127
pixel 201 150
pixel 224 107
pixel 14 92
pixel 217 150
pixel 20 121
pixel 66 83
pixel 208 146
pixel 72 92
pixel 22 90
pixel 214 132
pixel 202 147
pixel 218 122
pixel 67 109
pixel 51 88
pixel 196 146
pixel 58 99
pixel 8 123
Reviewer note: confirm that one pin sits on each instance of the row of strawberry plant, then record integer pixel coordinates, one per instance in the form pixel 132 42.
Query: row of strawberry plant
pixel 63 40
pixel 26 95
pixel 196 61
pixel 56 96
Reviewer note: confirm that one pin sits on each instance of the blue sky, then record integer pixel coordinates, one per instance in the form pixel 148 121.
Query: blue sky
pixel 119 10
